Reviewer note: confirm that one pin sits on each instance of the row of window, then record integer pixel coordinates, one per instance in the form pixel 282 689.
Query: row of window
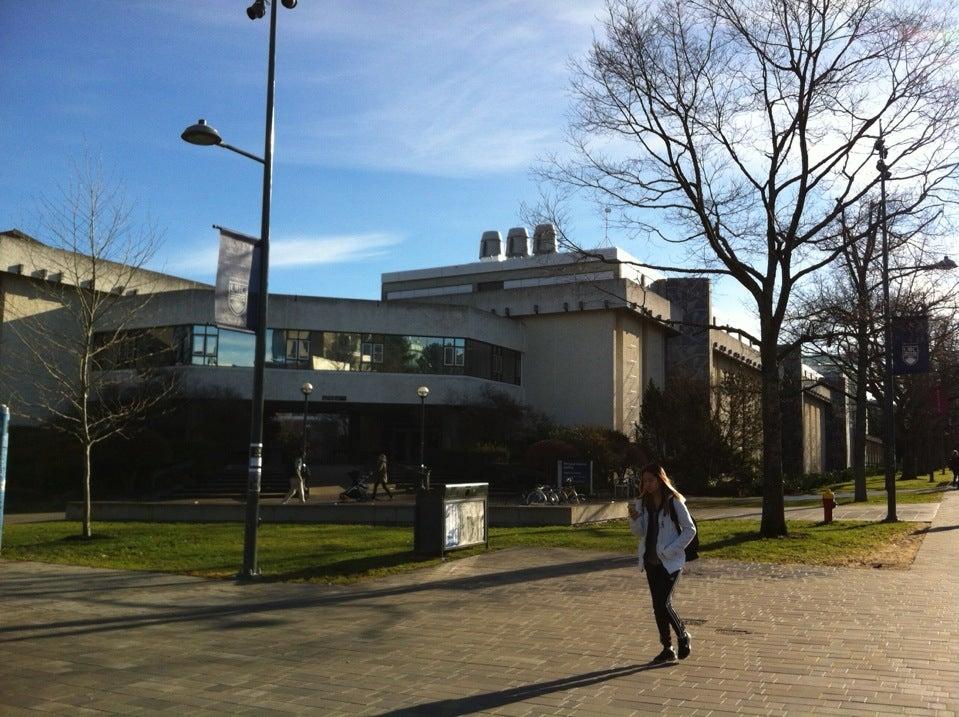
pixel 316 350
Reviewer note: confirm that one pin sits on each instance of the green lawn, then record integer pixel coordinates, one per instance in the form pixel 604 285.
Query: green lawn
pixel 876 483
pixel 346 553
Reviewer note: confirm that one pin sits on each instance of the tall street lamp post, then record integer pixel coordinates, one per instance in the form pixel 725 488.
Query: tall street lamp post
pixel 888 399
pixel 423 392
pixel 203 134
pixel 306 389
pixel 889 425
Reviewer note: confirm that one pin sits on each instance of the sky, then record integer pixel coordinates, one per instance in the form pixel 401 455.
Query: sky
pixel 403 129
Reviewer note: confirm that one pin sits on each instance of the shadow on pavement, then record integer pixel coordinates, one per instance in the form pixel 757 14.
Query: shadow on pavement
pixel 939 529
pixel 492 700
pixel 163 613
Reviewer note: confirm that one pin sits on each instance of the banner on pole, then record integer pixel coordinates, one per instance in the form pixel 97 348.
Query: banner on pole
pixel 237 281
pixel 910 344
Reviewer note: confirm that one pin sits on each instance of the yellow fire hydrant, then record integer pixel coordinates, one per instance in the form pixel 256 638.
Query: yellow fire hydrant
pixel 828 503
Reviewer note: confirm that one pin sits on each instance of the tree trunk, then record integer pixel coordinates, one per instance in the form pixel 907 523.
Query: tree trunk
pixel 859 429
pixel 86 531
pixel 774 517
pixel 908 459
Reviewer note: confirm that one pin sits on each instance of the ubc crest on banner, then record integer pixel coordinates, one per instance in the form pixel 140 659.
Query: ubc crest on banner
pixel 238 297
pixel 910 344
pixel 237 281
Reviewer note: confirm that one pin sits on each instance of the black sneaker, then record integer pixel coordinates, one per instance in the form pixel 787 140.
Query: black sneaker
pixel 684 647
pixel 667 655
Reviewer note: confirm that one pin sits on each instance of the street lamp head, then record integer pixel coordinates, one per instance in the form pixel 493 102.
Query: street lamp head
pixel 307 388
pixel 422 392
pixel 256 10
pixel 202 134
pixel 289 4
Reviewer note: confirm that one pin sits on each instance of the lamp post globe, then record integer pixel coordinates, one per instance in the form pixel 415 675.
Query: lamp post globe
pixel 307 388
pixel 423 392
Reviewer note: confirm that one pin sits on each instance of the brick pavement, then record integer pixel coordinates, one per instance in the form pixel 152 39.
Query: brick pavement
pixel 519 632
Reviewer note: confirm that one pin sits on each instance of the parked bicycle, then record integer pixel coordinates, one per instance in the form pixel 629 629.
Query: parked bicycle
pixel 537 496
pixel 569 494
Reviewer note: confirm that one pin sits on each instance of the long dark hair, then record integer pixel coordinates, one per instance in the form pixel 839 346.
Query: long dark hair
pixel 668 488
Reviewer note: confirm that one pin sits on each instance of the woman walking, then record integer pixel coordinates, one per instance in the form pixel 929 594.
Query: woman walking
pixel 661 521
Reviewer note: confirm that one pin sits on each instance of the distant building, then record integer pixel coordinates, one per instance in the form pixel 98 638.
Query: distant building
pixel 577 338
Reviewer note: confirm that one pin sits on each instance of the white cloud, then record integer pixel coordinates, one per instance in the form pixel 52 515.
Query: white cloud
pixel 297 251
pixel 430 88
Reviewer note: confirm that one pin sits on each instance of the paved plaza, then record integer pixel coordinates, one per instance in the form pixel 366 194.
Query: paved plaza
pixel 519 632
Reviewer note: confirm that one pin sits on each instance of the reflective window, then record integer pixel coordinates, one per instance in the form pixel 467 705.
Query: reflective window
pixel 235 348
pixel 298 348
pixel 204 345
pixel 454 352
pixel 340 351
pixel 371 352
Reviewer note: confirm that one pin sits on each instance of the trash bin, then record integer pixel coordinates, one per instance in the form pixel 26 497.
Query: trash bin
pixel 450 516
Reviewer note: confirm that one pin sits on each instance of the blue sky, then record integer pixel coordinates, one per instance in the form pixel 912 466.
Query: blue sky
pixel 403 129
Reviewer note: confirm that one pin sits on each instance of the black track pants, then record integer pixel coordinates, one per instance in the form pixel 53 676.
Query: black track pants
pixel 661 586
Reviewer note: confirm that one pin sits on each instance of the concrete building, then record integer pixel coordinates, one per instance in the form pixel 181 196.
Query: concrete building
pixel 576 337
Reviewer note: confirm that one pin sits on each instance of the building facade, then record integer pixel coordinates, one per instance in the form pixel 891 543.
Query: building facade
pixel 577 337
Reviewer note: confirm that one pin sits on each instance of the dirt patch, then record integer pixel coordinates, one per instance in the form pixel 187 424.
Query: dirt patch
pixel 897 555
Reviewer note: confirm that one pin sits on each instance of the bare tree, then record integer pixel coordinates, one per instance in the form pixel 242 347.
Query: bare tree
pixel 840 319
pixel 91 374
pixel 744 129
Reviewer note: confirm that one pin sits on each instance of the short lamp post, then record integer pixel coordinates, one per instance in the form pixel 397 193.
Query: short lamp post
pixel 423 392
pixel 204 135
pixel 306 389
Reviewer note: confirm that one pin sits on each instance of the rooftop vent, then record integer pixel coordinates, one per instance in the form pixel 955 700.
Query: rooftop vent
pixel 517 242
pixel 544 239
pixel 491 246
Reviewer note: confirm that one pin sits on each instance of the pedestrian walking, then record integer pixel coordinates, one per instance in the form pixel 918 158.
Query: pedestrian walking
pixel 296 481
pixel 661 521
pixel 382 476
pixel 954 467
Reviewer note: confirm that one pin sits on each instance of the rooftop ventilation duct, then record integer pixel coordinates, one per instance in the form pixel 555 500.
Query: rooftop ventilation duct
pixel 491 246
pixel 544 239
pixel 517 242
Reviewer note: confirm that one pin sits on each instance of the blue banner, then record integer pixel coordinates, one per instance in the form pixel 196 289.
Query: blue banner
pixel 910 344
pixel 4 423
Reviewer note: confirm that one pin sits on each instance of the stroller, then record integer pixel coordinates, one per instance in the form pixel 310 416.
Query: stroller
pixel 359 490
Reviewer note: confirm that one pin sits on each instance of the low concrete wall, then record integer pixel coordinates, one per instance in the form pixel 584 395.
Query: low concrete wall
pixel 339 513
pixel 533 515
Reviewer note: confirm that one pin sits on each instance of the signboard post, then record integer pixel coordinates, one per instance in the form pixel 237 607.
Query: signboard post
pixel 450 516
pixel 579 473
pixel 4 433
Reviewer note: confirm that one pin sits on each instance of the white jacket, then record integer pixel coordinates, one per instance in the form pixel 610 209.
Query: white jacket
pixel 671 544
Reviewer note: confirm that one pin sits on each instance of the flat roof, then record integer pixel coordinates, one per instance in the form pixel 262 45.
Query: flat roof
pixel 614 255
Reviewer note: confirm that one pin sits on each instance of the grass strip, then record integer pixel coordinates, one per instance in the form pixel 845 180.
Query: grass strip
pixel 348 553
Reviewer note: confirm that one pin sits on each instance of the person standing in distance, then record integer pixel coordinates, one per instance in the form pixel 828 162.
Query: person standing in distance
pixel 954 467
pixel 662 551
